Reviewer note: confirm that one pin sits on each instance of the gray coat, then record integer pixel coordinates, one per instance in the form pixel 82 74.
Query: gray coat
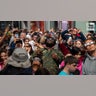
pixel 89 65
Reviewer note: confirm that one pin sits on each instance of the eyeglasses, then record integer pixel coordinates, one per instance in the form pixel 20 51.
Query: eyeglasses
pixel 88 44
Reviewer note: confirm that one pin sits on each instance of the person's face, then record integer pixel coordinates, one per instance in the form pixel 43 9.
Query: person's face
pixel 74 32
pixel 27 47
pixel 73 67
pixel 35 38
pixel 78 44
pixel 22 35
pixel 4 55
pixel 78 55
pixel 90 45
pixel 35 68
pixel 36 62
pixel 26 41
pixel 35 65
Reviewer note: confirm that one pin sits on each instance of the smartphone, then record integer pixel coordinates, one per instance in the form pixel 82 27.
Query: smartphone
pixel 16 35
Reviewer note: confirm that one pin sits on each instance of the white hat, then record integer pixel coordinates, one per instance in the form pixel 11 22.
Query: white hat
pixel 19 58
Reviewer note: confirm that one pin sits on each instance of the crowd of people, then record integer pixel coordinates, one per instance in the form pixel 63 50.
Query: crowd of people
pixel 28 52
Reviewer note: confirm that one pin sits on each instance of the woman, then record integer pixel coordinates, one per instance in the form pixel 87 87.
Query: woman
pixel 29 49
pixel 3 60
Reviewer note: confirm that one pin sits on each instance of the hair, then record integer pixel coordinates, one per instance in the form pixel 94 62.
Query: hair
pixel 89 35
pixel 3 50
pixel 18 41
pixel 70 60
pixel 75 50
pixel 31 51
pixel 26 39
pixel 38 36
pixel 42 71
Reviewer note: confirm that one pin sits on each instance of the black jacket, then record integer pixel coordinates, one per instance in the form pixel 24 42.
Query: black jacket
pixel 11 70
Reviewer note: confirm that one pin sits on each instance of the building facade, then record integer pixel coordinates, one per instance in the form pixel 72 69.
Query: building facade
pixel 85 26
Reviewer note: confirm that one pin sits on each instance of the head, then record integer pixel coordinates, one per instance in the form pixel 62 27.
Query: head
pixel 22 35
pixel 36 37
pixel 16 32
pixel 4 55
pixel 71 64
pixel 26 40
pixel 18 43
pixel 19 58
pixel 36 63
pixel 76 52
pixel 28 48
pixel 50 42
pixel 89 36
pixel 90 45
pixel 78 43
pixel 74 32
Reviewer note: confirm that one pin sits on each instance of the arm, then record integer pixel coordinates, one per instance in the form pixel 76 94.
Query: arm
pixel 5 33
pixel 63 33
pixel 82 37
pixel 62 47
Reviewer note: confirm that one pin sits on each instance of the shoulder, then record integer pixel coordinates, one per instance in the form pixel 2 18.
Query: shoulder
pixel 63 73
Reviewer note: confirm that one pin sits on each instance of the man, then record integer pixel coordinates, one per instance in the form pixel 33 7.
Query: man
pixel 18 63
pixel 70 66
pixel 89 64
pixel 51 57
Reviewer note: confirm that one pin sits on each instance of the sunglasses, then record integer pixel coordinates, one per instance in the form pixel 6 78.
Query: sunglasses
pixel 37 59
pixel 88 44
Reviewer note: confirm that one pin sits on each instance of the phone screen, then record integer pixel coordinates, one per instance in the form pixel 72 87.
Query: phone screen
pixel 16 35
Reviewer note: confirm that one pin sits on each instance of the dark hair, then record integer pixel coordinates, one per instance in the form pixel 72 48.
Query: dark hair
pixel 42 71
pixel 18 41
pixel 3 50
pixel 75 50
pixel 70 60
pixel 26 39
pixel 50 42
pixel 29 45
